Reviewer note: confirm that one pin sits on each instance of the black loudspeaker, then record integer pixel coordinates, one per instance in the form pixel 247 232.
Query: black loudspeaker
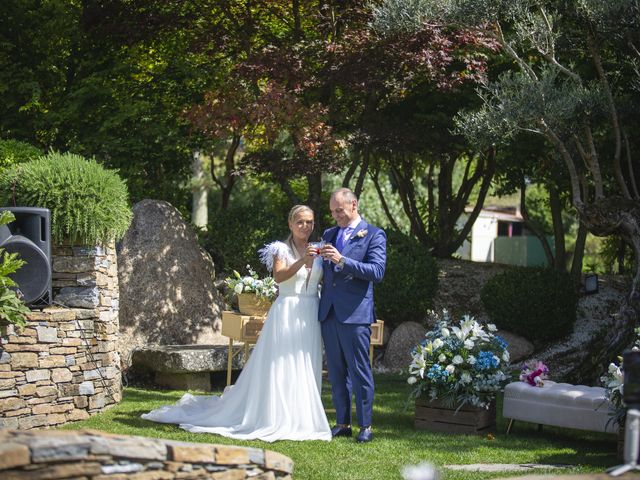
pixel 29 236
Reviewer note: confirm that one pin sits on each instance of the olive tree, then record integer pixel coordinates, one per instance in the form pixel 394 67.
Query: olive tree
pixel 573 81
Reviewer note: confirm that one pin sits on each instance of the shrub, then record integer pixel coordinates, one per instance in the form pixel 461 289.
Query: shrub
pixel 12 309
pixel 537 303
pixel 88 203
pixel 235 235
pixel 410 281
pixel 15 151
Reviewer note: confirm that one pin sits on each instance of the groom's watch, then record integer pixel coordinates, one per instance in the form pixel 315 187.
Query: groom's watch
pixel 340 263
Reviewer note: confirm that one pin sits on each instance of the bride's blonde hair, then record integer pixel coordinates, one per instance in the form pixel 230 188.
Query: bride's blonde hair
pixel 293 213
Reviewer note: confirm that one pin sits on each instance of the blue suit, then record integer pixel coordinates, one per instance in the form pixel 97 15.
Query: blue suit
pixel 347 312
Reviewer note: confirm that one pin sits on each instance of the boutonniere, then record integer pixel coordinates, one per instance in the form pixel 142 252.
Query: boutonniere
pixel 362 233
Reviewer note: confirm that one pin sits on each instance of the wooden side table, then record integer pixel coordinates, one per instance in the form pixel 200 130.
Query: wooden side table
pixel 246 328
pixel 377 337
pixel 241 328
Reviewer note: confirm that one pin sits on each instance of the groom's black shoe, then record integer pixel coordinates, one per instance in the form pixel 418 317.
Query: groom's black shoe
pixel 341 431
pixel 365 435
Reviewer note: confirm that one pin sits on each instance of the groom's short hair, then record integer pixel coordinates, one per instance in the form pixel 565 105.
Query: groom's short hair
pixel 346 193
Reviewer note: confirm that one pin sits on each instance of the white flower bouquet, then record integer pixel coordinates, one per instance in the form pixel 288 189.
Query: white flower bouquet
pixel 613 383
pixel 263 287
pixel 459 364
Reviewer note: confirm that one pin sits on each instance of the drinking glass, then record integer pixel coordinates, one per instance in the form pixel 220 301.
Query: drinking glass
pixel 317 246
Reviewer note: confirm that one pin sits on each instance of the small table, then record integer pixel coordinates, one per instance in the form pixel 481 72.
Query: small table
pixel 246 328
pixel 241 328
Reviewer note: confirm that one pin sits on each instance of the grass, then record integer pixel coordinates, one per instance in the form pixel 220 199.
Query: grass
pixel 396 443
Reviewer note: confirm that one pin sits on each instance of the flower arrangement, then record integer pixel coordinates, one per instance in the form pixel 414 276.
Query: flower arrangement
pixel 263 287
pixel 534 372
pixel 613 383
pixel 459 364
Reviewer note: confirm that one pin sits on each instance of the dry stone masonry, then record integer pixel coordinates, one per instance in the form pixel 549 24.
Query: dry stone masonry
pixel 95 455
pixel 64 365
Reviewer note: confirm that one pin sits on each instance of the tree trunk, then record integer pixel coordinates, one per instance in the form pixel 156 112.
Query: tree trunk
pixel 578 254
pixel 560 257
pixel 199 208
pixel 605 217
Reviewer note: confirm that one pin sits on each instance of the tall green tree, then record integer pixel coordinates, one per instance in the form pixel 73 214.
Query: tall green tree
pixel 572 78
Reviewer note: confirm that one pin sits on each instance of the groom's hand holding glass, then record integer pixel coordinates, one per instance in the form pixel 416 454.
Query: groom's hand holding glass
pixel 331 253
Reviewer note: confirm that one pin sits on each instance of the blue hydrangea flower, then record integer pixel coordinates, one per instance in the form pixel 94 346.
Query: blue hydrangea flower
pixel 437 374
pixel 485 361
pixel 501 342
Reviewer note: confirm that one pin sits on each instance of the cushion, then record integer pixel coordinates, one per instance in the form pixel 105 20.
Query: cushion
pixel 559 404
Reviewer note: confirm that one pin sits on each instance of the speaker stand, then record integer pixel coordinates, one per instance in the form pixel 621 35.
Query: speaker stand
pixel 631 444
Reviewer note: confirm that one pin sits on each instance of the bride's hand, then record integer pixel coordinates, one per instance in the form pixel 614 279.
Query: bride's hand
pixel 310 255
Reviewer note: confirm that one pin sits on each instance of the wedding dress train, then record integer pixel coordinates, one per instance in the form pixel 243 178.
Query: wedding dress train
pixel 277 395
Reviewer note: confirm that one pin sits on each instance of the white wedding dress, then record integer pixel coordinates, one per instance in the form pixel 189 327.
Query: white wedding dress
pixel 277 395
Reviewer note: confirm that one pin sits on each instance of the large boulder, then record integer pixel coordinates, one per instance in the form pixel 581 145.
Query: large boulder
pixel 519 347
pixel 167 294
pixel 404 338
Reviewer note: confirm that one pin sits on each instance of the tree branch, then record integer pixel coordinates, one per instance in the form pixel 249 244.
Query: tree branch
pixel 632 174
pixel 383 201
pixel 617 169
pixel 484 189
pixel 523 65
pixel 363 170
pixel 577 200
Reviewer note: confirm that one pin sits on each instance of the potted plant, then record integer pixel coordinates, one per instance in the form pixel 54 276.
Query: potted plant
pixel 254 294
pixel 456 372
pixel 12 310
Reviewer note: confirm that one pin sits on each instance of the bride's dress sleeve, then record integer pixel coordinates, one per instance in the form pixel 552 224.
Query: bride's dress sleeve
pixel 274 250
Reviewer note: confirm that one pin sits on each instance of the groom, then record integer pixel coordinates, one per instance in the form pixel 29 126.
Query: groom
pixel 356 259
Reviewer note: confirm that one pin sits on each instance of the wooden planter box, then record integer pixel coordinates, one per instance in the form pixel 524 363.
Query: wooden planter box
pixel 251 304
pixel 435 417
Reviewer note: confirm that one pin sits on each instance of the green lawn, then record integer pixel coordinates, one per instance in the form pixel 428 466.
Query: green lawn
pixel 396 443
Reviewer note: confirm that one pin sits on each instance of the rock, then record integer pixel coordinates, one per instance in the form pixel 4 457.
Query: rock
pixel 185 367
pixel 167 295
pixel 519 347
pixel 79 297
pixel 404 337
pixel 185 358
pixel 571 359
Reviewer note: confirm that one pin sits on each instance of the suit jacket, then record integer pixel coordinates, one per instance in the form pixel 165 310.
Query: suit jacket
pixel 350 289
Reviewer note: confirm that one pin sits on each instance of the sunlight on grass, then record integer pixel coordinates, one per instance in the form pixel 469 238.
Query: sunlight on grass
pixel 396 443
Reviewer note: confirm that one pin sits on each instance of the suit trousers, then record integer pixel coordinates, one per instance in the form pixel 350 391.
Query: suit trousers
pixel 347 348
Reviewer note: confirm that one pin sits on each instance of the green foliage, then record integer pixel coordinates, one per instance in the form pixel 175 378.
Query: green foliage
pixel 410 281
pixel 88 203
pixel 537 303
pixel 15 151
pixel 12 309
pixel 255 216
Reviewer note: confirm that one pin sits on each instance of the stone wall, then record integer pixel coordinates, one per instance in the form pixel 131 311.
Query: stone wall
pixel 64 365
pixel 85 455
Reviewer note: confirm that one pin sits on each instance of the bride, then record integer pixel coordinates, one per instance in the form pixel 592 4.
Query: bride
pixel 277 395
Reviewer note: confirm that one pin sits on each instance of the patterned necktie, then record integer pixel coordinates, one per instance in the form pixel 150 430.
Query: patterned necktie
pixel 342 235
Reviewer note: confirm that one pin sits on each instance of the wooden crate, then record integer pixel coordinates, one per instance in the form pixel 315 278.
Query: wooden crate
pixel 244 328
pixel 435 417
pixel 377 332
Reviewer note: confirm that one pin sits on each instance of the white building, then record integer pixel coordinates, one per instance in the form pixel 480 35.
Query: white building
pixel 499 235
